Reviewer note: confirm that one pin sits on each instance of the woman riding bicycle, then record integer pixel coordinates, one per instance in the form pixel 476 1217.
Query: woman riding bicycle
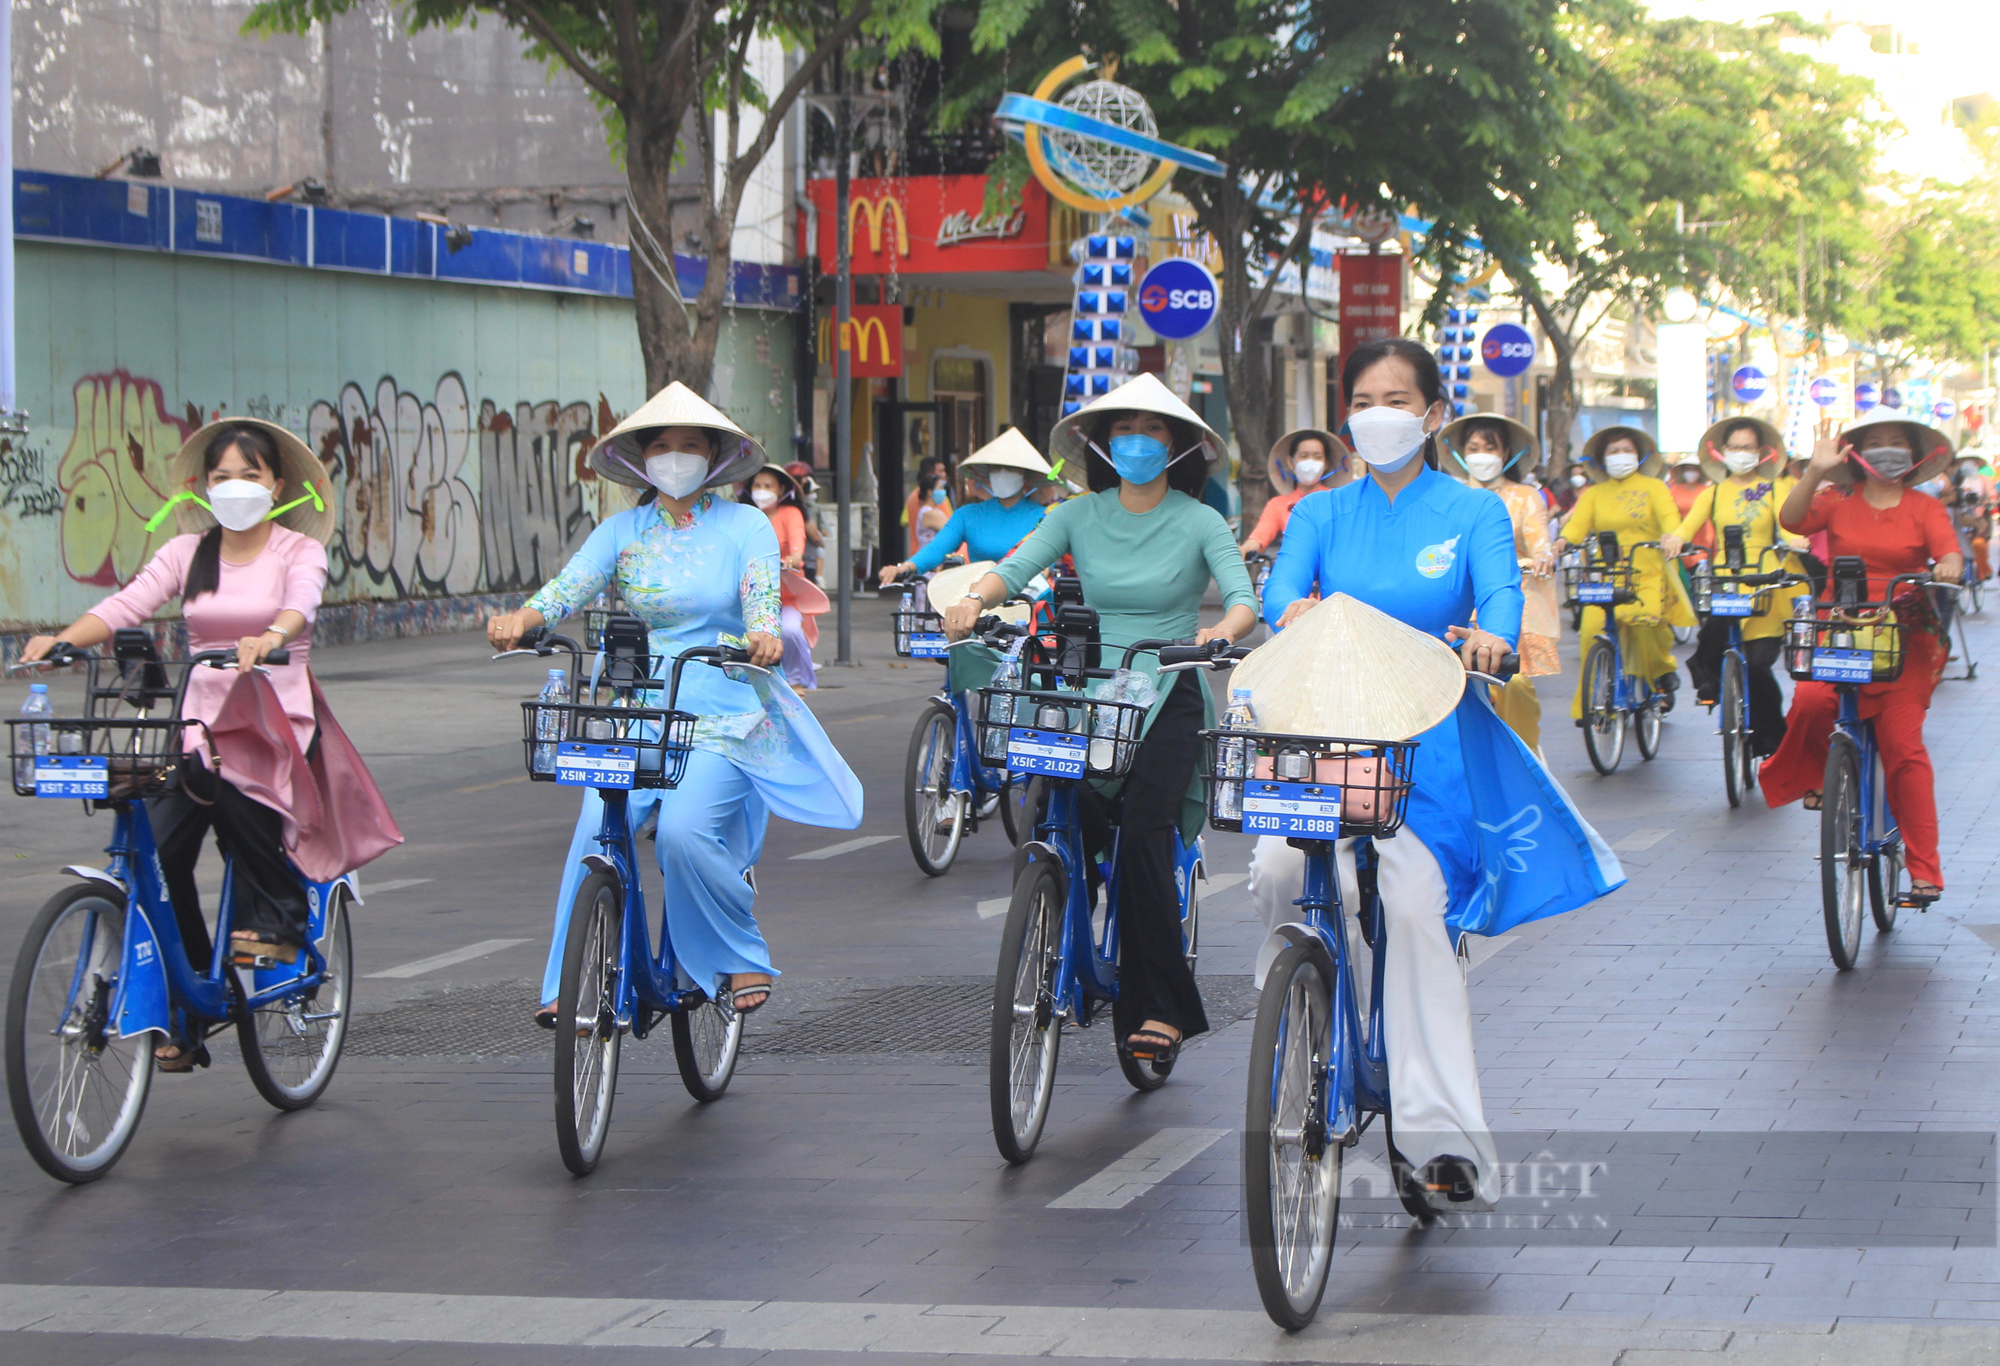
pixel 1008 470
pixel 1431 552
pixel 1145 548
pixel 1744 457
pixel 1627 497
pixel 700 570
pixel 1303 462
pixel 1858 489
pixel 249 578
pixel 1497 453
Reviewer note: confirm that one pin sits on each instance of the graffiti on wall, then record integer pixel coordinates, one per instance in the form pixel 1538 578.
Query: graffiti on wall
pixel 541 497
pixel 115 474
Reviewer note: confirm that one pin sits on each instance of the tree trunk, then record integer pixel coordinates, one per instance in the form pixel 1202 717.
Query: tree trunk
pixel 1246 372
pixel 1560 414
pixel 667 343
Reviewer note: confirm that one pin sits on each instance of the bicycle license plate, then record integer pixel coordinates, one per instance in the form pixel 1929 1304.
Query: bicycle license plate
pixel 72 775
pixel 586 765
pixel 1731 605
pixel 1843 666
pixel 927 645
pixel 1594 592
pixel 1304 810
pixel 1047 752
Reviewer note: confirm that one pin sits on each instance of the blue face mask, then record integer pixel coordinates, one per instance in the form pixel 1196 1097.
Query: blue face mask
pixel 1138 458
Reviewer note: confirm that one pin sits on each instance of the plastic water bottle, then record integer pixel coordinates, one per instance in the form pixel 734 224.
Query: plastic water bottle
pixel 1104 722
pixel 548 723
pixel 1232 757
pixel 999 708
pixel 38 704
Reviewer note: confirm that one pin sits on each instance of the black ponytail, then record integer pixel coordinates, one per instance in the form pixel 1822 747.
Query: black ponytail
pixel 255 445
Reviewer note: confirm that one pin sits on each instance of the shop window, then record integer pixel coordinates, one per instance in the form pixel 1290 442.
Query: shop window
pixel 962 385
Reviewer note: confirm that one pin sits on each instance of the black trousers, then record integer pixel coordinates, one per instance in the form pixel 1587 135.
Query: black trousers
pixel 1154 982
pixel 269 899
pixel 1767 701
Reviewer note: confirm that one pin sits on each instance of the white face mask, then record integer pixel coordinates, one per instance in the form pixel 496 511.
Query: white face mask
pixel 763 498
pixel 1577 481
pixel 1621 465
pixel 1307 472
pixel 1484 467
pixel 239 504
pixel 1741 462
pixel 1005 483
pixel 1387 438
pixel 677 473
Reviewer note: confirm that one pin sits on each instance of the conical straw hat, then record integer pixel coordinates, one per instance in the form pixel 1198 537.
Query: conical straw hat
pixel 298 467
pixel 1345 669
pixel 1708 451
pixel 1140 394
pixel 1650 462
pixel 1009 450
pixel 620 458
pixel 1524 453
pixel 1337 455
pixel 947 586
pixel 1931 447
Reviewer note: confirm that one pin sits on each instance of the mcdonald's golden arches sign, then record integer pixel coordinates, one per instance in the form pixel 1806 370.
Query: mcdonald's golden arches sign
pixel 874 341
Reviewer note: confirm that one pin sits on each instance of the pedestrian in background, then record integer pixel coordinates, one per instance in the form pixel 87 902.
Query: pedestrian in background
pixel 775 491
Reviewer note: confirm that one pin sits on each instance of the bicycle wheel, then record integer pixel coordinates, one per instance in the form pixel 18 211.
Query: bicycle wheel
pixel 1021 804
pixel 933 814
pixel 1291 1172
pixel 587 1032
pixel 291 1047
pixel 1646 726
pixel 706 1043
pixel 1888 880
pixel 77 1089
pixel 1841 865
pixel 1021 1068
pixel 1603 724
pixel 1735 740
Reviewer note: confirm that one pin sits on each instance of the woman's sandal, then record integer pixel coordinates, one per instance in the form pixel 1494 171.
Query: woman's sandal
pixel 736 996
pixel 1150 1045
pixel 255 951
pixel 546 1018
pixel 173 1058
pixel 1921 895
pixel 1810 801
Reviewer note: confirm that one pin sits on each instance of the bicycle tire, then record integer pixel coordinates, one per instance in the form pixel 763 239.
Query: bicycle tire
pixel 1603 723
pixel 1026 1037
pixel 291 1059
pixel 586 1007
pixel 1840 860
pixel 707 1043
pixel 934 816
pixel 1886 884
pixel 39 1010
pixel 1646 726
pixel 1735 744
pixel 1022 802
pixel 1291 1167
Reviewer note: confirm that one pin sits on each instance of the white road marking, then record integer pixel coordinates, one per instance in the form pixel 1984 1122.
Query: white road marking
pixel 844 847
pixel 993 906
pixel 445 960
pixel 1145 1167
pixel 1640 839
pixel 1097 1332
pixel 1990 933
pixel 394 885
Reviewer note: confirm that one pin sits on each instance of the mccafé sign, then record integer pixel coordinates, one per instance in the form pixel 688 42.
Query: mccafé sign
pixel 873 341
pixel 925 225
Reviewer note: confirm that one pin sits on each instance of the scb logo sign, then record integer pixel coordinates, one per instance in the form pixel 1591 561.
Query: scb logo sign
pixel 1178 298
pixel 1507 349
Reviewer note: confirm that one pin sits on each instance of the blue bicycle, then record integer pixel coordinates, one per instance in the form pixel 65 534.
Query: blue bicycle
pixel 1849 642
pixel 946 790
pixel 607 738
pixel 1319 1063
pixel 1059 950
pixel 1611 697
pixel 1727 590
pixel 103 969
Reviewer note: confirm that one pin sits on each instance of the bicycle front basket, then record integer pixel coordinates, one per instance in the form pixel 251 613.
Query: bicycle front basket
pixel 1315 787
pixel 1057 734
pixel 1839 645
pixel 920 635
pixel 581 745
pixel 94 757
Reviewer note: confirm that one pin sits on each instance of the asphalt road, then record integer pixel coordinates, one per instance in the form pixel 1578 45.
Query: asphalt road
pixel 845 1195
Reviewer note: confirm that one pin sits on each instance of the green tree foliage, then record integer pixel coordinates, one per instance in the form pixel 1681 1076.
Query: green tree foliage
pixel 1700 153
pixel 1431 105
pixel 1934 287
pixel 659 68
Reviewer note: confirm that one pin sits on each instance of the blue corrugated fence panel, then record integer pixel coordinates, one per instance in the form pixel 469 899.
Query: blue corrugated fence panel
pixel 349 241
pixel 119 213
pixel 225 225
pixel 406 236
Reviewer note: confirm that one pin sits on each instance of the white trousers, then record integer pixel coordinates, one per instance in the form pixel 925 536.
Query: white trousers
pixel 1426 1010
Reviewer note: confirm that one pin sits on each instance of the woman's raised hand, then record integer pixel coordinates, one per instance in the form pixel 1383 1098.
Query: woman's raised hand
pixel 38 647
pixel 505 629
pixel 765 650
pixel 1827 457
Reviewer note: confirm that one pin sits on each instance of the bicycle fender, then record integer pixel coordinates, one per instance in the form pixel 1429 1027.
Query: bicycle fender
pixel 97 875
pixel 142 1002
pixel 1306 937
pixel 320 896
pixel 597 863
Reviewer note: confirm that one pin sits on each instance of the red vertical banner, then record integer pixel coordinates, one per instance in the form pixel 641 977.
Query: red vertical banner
pixel 1371 304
